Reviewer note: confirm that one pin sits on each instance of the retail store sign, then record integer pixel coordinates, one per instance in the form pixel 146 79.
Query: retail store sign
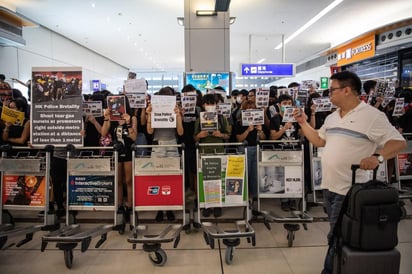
pixel 268 70
pixel 324 82
pixel 357 50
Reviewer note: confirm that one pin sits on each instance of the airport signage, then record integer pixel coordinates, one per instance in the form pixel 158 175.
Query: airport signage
pixel 268 70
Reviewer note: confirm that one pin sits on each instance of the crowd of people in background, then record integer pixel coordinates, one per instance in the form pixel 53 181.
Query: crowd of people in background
pixel 135 127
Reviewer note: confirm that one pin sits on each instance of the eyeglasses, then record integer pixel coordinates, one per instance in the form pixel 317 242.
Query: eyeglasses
pixel 333 89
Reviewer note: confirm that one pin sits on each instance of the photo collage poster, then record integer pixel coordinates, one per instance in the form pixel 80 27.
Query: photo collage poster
pixel 224 109
pixel 322 104
pixel 252 117
pixel 56 110
pixel 93 108
pixel 262 97
pixel 135 90
pixel 188 102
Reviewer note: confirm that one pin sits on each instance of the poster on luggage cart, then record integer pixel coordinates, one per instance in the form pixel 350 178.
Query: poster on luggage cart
pixel 405 164
pixel 91 190
pixel 293 179
pixel 234 185
pixel 56 110
pixel 158 190
pixel 272 179
pixel 27 190
pixel 212 181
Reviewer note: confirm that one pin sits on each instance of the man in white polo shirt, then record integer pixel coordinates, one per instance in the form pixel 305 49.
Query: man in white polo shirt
pixel 356 133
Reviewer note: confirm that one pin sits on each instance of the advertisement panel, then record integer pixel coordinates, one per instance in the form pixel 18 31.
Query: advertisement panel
pixel 357 50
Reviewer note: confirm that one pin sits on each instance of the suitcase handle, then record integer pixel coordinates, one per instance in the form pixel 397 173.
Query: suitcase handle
pixel 356 167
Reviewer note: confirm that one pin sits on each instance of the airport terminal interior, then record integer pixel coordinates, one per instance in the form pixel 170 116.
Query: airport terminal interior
pixel 77 50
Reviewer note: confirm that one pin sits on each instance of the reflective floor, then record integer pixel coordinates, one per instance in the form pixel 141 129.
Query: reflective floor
pixel 192 255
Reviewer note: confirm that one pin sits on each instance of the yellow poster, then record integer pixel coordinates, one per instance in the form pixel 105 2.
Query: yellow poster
pixel 235 166
pixel 15 117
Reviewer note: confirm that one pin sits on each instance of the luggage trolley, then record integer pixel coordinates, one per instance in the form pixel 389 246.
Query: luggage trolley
pixel 222 182
pixel 158 185
pixel 24 184
pixel 403 168
pixel 280 175
pixel 91 186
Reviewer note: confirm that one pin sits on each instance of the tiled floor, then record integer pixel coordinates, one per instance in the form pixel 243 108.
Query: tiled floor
pixel 270 255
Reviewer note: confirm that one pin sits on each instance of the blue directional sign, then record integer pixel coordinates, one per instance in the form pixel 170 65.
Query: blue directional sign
pixel 268 70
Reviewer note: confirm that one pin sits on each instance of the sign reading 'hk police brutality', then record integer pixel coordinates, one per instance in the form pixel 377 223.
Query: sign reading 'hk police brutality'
pixel 56 112
pixel 268 70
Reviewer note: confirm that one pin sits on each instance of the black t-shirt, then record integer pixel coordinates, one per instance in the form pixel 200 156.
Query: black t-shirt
pixel 92 135
pixel 251 137
pixel 120 134
pixel 290 134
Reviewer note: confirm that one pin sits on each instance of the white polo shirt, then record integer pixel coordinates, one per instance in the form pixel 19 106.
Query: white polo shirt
pixel 350 139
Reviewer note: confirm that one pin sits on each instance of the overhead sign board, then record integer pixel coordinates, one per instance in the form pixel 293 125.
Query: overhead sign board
pixel 357 50
pixel 268 70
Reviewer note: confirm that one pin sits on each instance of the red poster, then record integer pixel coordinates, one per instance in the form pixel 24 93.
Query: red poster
pixel 23 190
pixel 159 190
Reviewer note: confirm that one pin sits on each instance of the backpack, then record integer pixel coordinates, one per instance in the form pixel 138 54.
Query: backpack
pixel 370 215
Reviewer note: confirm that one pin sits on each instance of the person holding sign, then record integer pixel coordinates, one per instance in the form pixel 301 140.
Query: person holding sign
pixel 123 131
pixel 250 134
pixel 211 128
pixel 17 134
pixel 164 135
pixel 282 130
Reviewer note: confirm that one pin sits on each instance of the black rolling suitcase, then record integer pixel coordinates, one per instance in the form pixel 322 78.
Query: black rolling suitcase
pixel 366 231
pixel 353 261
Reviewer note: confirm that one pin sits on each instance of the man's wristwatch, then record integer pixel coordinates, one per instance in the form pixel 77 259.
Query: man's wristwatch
pixel 380 158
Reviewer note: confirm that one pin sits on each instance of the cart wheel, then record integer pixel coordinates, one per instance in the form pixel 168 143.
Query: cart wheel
pixel 290 237
pixel 229 254
pixel 158 257
pixel 68 258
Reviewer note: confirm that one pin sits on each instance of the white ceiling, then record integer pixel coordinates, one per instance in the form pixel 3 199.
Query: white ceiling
pixel 143 35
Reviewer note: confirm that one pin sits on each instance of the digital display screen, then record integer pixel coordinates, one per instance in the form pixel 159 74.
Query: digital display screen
pixel 207 80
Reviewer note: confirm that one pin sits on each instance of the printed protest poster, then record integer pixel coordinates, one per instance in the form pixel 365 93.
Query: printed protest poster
pixel 293 179
pixel 322 104
pixel 272 179
pixel 224 109
pixel 135 90
pixel 212 181
pixel 189 103
pixel 208 120
pixel 136 100
pixel 12 116
pixel 28 190
pixel 135 86
pixel 262 97
pixel 93 108
pixel 235 174
pixel 317 174
pixel 398 108
pixel 252 117
pixel 117 107
pixel 405 164
pixel 163 113
pixel 56 110
pixel 288 115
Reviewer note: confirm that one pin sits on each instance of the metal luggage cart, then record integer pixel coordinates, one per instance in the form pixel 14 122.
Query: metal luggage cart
pixel 281 175
pixel 24 184
pixel 222 182
pixel 403 169
pixel 158 185
pixel 91 186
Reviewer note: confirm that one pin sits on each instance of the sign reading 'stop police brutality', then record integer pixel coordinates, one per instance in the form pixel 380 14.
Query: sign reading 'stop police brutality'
pixel 56 112
pixel 268 70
